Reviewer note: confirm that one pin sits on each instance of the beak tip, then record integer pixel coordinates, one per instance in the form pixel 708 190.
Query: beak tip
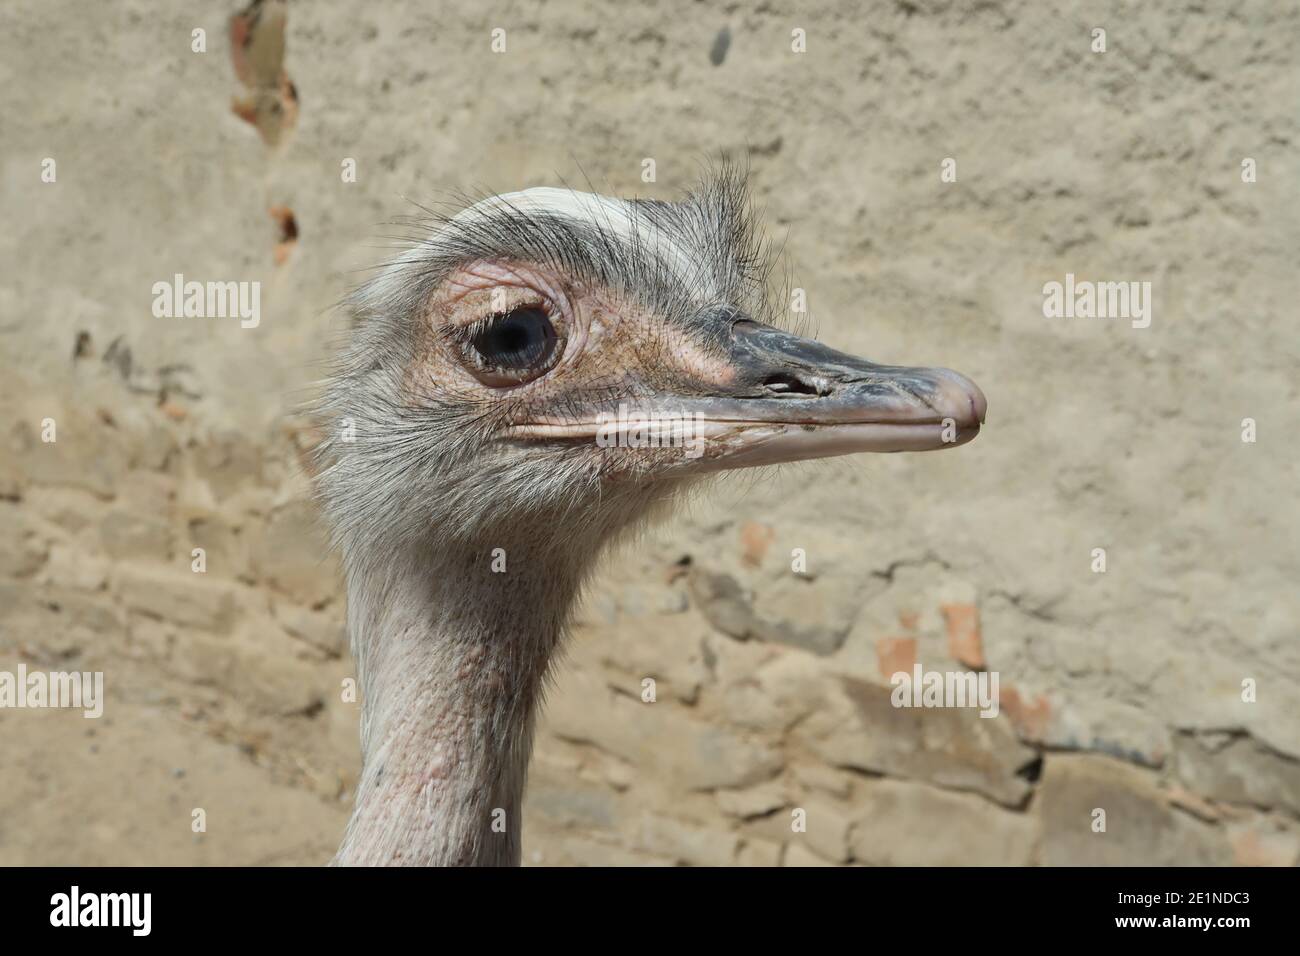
pixel 964 394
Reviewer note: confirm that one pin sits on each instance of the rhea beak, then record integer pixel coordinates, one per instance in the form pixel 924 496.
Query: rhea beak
pixel 788 398
pixel 793 398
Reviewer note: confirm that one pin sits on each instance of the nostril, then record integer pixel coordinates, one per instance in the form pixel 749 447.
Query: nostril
pixel 783 383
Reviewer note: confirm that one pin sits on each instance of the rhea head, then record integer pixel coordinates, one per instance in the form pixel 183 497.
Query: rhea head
pixel 548 361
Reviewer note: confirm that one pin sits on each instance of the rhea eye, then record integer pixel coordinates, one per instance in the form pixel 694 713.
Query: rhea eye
pixel 515 346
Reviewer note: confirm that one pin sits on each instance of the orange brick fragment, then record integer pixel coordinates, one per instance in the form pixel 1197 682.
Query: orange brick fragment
pixel 894 654
pixel 964 641
pixel 1030 718
pixel 755 538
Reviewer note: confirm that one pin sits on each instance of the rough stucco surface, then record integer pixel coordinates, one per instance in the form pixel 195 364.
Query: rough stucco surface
pixel 1120 690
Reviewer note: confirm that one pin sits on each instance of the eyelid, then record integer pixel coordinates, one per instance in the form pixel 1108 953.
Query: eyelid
pixel 477 283
pixel 478 302
pixel 463 332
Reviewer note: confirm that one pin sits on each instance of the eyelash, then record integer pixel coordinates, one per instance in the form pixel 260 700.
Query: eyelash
pixel 465 334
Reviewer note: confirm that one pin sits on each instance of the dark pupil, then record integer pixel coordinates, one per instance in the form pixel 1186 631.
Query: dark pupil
pixel 519 339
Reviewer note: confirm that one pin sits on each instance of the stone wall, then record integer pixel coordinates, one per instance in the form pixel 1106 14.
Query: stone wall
pixel 771 739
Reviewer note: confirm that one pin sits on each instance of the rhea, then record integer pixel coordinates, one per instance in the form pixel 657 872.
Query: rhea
pixel 490 429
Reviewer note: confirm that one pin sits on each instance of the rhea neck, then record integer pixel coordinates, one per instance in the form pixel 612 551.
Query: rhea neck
pixel 452 646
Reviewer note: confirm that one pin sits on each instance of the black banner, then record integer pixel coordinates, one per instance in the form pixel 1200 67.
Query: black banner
pixel 927 906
